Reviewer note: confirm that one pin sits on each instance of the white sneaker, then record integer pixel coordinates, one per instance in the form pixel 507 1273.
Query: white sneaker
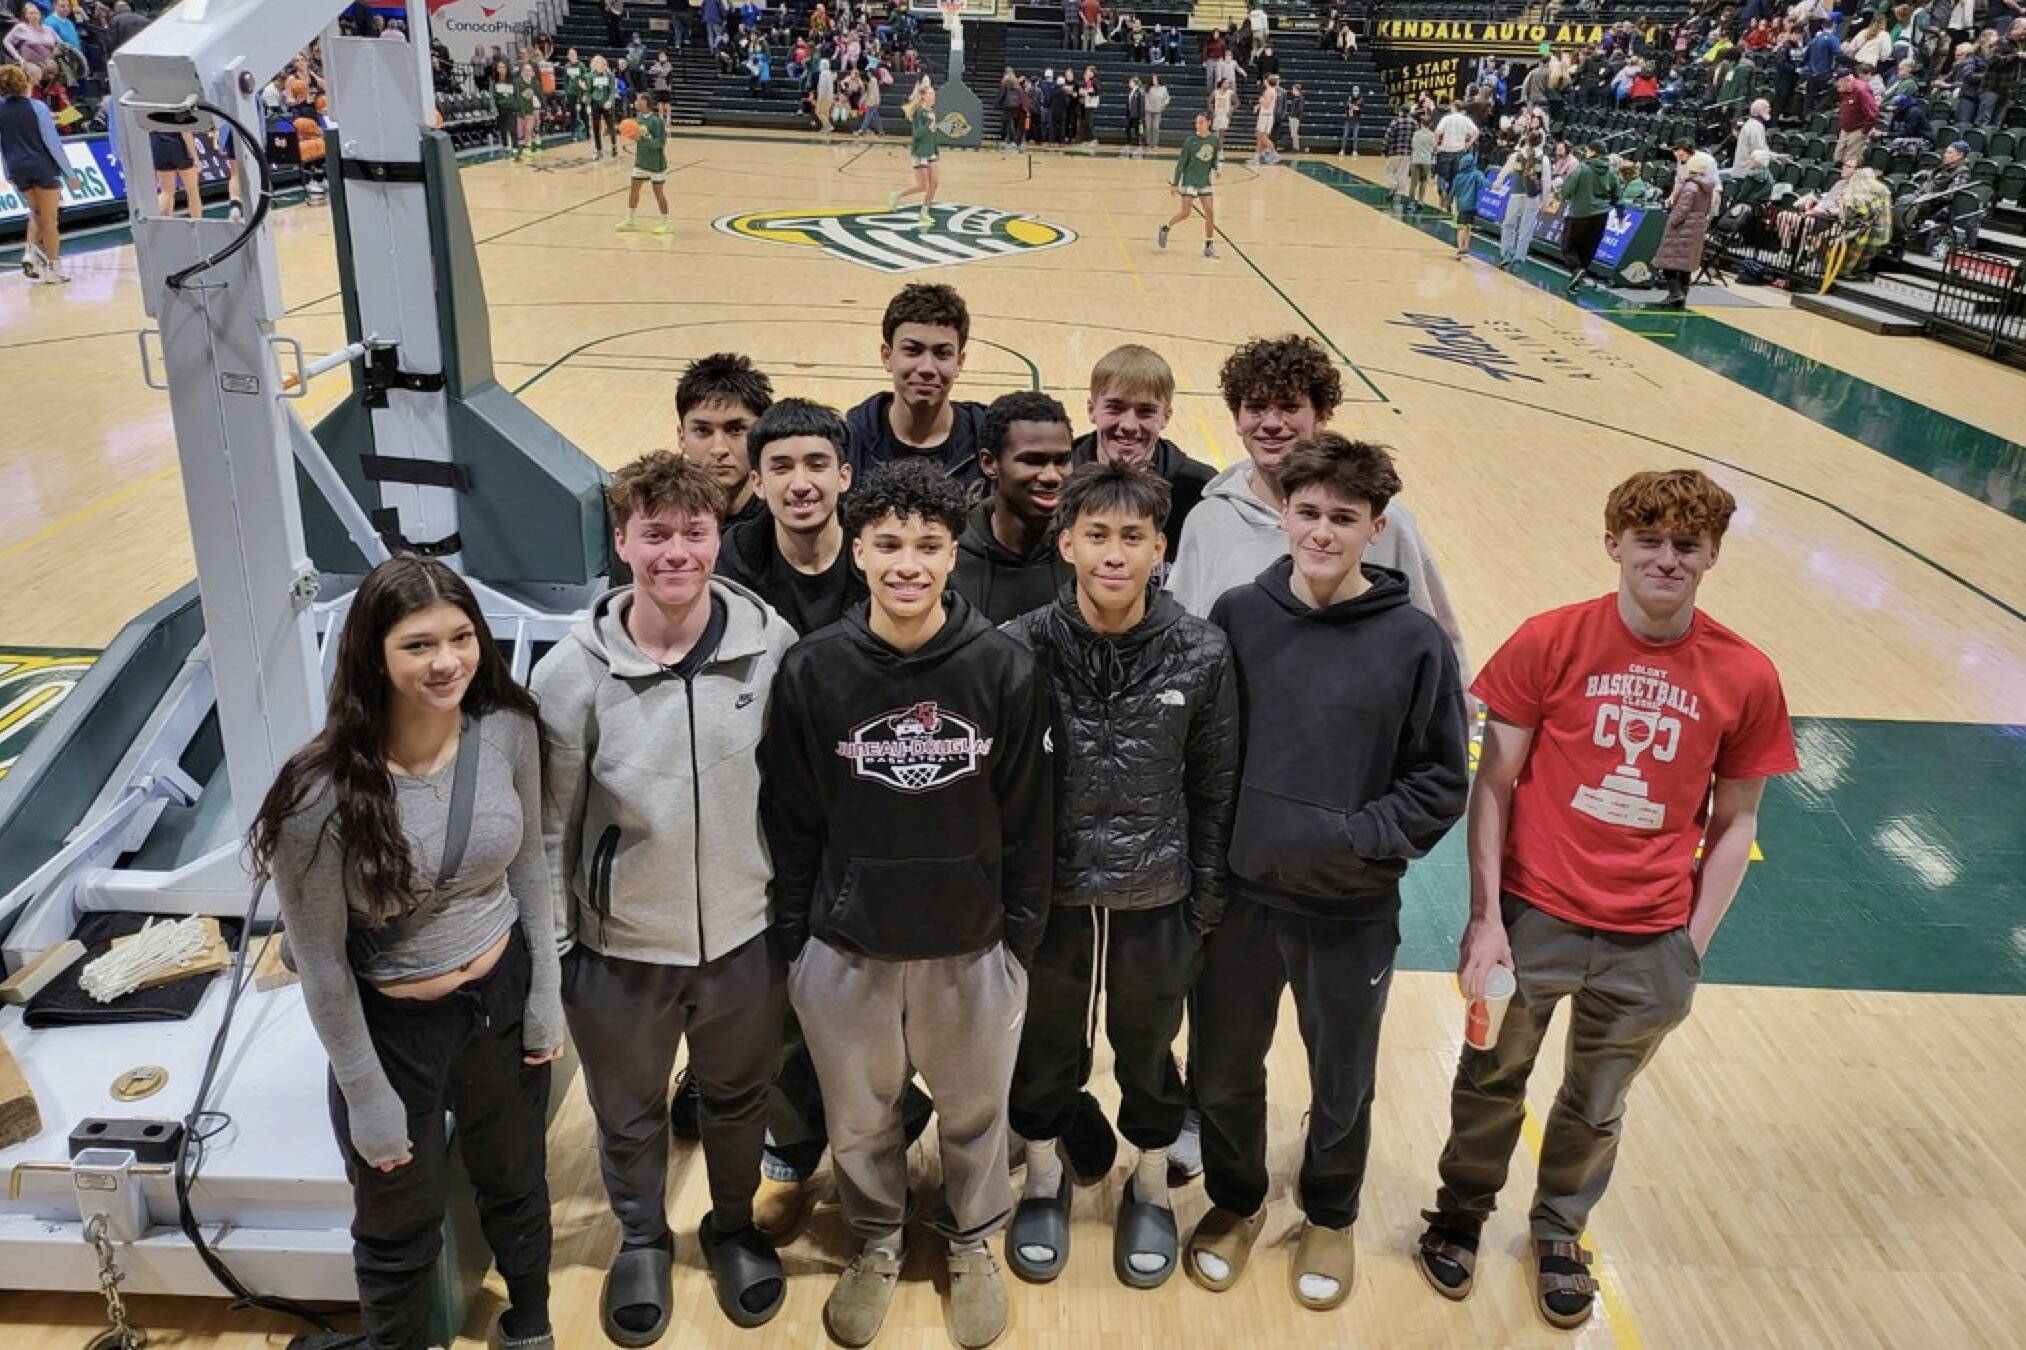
pixel 52 277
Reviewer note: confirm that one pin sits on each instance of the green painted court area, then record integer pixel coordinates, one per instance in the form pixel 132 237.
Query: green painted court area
pixel 33 681
pixel 1895 860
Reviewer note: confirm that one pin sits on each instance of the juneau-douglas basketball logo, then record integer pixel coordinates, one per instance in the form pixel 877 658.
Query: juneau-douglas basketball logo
pixel 891 241
pixel 916 749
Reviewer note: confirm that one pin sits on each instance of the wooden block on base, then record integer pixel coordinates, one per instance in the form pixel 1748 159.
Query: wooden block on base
pixel 20 1120
pixel 41 971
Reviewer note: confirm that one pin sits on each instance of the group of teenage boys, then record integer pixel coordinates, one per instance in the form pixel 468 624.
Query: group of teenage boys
pixel 927 735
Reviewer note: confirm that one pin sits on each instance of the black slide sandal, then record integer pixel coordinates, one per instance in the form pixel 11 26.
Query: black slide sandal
pixel 1040 1222
pixel 742 1264
pixel 1143 1229
pixel 640 1278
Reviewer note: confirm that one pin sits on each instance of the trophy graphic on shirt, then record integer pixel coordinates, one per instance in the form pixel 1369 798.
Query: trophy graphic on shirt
pixel 1623 799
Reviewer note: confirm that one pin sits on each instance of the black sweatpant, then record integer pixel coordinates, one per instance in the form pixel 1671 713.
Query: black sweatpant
pixel 461 1053
pixel 1580 237
pixel 1341 972
pixel 627 1018
pixel 1141 962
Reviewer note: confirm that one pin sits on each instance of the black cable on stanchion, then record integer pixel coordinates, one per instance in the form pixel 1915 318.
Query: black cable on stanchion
pixel 240 137
pixel 190 1158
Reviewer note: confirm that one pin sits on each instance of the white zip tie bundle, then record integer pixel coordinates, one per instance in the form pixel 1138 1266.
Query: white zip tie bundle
pixel 157 948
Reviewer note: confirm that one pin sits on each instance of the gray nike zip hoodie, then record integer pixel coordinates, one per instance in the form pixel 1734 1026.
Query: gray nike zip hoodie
pixel 651 806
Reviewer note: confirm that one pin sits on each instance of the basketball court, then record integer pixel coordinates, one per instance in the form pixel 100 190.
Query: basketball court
pixel 1829 1152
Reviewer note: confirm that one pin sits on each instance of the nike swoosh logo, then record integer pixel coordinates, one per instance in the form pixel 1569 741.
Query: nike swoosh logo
pixel 1380 976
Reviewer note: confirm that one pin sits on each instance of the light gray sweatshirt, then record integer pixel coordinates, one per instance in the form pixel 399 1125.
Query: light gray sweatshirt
pixel 1233 536
pixel 651 815
pixel 501 881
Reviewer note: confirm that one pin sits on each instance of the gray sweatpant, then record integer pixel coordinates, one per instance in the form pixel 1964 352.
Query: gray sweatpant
pixel 627 1018
pixel 1629 990
pixel 871 1025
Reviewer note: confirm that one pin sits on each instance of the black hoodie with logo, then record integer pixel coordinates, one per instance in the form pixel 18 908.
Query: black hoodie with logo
pixel 1000 583
pixel 1186 480
pixel 1356 749
pixel 908 797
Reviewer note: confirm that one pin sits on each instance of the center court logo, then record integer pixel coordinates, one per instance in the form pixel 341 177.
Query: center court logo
pixel 915 749
pixel 891 241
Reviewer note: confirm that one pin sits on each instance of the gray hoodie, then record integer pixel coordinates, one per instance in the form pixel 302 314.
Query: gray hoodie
pixel 1233 537
pixel 651 813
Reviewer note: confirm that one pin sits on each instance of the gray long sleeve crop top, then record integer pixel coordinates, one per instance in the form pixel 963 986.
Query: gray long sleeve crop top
pixel 502 880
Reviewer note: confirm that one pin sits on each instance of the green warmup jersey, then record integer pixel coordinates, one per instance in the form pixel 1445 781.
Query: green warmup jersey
pixel 1200 156
pixel 503 96
pixel 600 87
pixel 923 130
pixel 576 81
pixel 527 97
pixel 649 152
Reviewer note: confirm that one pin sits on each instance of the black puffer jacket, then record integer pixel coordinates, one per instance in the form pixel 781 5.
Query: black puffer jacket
pixel 1146 762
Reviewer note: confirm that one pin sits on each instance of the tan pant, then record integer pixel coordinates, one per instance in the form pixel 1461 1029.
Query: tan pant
pixel 1851 143
pixel 1629 991
pixel 872 1025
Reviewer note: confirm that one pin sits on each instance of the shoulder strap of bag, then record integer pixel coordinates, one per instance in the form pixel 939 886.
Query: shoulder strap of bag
pixel 362 944
pixel 463 788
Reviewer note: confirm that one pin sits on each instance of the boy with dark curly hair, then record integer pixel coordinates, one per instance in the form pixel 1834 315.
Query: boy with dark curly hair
pixel 909 809
pixel 1282 390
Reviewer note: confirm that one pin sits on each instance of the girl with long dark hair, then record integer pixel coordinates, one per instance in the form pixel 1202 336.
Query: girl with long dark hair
pixel 405 846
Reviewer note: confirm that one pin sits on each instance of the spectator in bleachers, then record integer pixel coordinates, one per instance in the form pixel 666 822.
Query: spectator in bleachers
pixel 1158 97
pixel 125 23
pixel 1856 116
pixel 1751 135
pixel 60 22
pixel 31 41
pixel 2005 67
pixel 1932 207
pixel 1348 140
pixel 759 69
pixel 1091 13
pixel 1072 22
pixel 714 23
pixel 868 117
pixel 1087 100
pixel 615 17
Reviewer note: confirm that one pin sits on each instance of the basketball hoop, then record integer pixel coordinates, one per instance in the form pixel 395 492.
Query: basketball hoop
pixel 953 17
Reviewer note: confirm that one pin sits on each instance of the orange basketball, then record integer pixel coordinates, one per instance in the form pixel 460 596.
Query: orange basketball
pixel 630 129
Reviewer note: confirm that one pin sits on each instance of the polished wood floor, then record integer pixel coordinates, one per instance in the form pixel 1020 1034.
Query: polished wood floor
pixel 1801 1167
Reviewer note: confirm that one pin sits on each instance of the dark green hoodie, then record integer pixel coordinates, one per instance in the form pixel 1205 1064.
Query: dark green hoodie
pixel 999 583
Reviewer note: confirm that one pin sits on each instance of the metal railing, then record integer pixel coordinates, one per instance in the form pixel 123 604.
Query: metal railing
pixel 1980 304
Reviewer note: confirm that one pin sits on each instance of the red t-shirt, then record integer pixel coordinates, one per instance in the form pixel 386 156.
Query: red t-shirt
pixel 1611 802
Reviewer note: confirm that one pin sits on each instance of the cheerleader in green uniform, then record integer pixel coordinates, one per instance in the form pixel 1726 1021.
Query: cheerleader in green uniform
pixel 920 111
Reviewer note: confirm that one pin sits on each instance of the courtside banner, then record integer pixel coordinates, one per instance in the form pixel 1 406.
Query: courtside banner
pixel 100 183
pixel 1487 35
pixel 1619 232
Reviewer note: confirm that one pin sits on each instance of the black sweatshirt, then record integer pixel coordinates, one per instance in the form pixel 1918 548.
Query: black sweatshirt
pixel 908 798
pixel 1186 480
pixel 873 442
pixel 999 583
pixel 1356 751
